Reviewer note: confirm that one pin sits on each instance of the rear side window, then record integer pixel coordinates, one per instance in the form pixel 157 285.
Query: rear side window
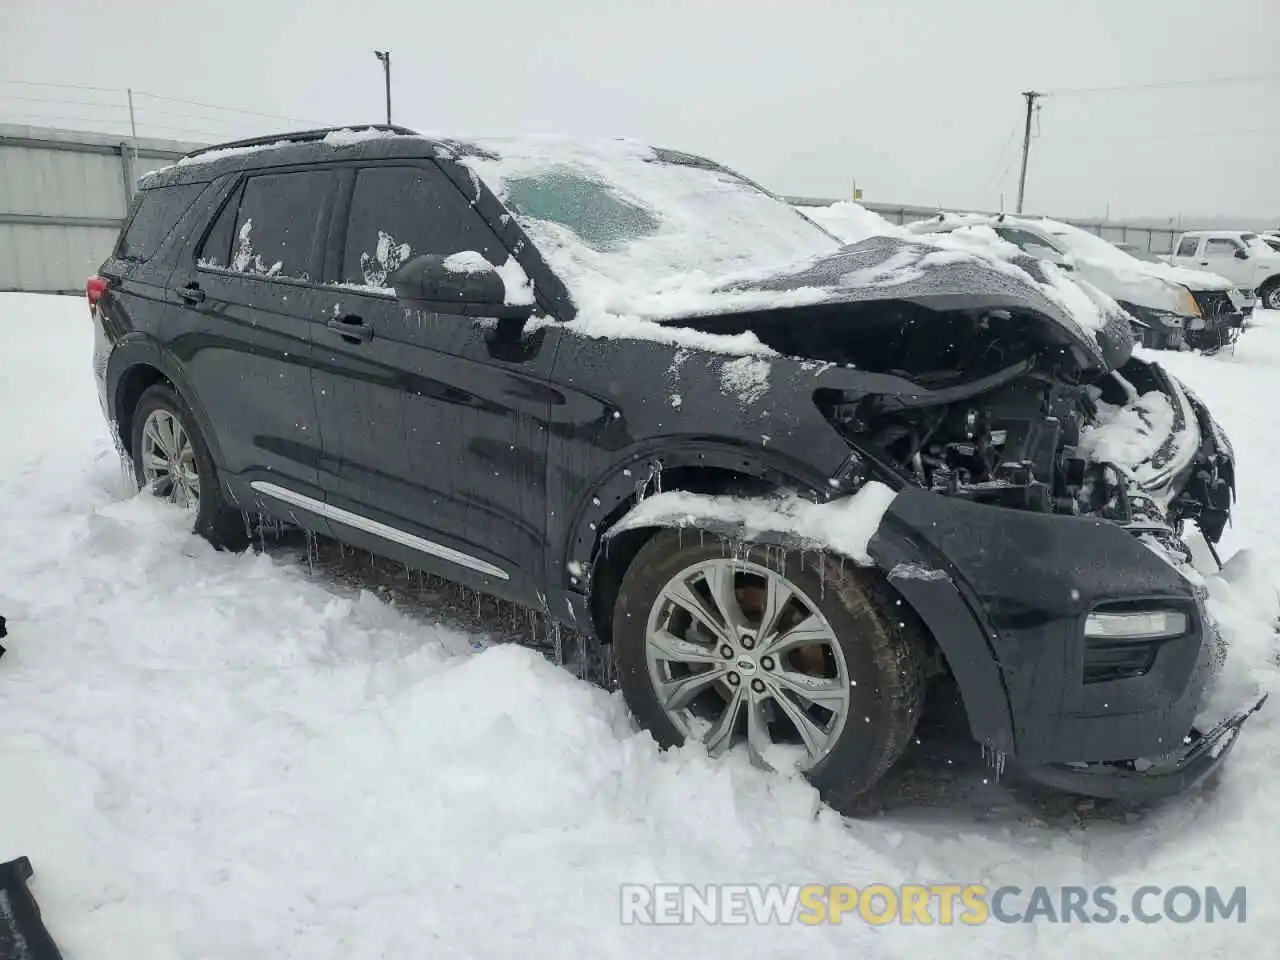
pixel 269 226
pixel 1187 248
pixel 155 213
pixel 398 213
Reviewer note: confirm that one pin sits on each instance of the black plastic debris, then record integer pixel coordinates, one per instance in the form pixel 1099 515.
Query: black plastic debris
pixel 3 633
pixel 22 932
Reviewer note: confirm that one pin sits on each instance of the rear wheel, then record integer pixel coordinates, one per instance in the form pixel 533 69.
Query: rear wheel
pixel 789 655
pixel 172 461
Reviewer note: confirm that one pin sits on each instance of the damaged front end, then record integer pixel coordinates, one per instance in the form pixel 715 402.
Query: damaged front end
pixel 1046 479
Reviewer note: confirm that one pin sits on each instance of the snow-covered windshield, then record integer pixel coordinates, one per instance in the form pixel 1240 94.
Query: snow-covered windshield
pixel 616 218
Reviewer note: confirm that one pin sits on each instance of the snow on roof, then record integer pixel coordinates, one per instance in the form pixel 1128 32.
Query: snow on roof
pixel 345 137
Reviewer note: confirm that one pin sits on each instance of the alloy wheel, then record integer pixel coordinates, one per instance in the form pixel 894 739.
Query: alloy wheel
pixel 738 653
pixel 168 460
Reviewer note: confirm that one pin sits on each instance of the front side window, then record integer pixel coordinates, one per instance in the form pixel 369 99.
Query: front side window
pixel 268 227
pixel 398 213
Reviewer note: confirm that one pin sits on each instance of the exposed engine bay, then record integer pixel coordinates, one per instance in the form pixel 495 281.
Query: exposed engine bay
pixel 1005 421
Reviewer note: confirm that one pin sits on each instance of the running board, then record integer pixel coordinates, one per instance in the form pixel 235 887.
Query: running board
pixel 347 518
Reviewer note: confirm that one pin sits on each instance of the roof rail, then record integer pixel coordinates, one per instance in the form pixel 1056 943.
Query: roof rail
pixel 302 136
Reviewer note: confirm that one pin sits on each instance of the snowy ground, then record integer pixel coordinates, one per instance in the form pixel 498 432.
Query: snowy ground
pixel 209 756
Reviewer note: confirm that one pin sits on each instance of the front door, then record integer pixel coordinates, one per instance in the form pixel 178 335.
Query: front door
pixel 435 429
pixel 244 336
pixel 1219 255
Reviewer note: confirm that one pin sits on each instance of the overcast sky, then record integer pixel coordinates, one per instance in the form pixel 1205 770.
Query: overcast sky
pixel 916 99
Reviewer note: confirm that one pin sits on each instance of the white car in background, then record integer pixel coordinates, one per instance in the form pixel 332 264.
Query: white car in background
pixel 1248 260
pixel 1171 306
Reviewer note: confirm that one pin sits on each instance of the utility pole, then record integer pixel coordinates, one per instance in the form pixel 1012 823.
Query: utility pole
pixel 1031 97
pixel 133 126
pixel 385 57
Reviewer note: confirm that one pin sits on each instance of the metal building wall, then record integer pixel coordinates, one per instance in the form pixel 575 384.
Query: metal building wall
pixel 63 198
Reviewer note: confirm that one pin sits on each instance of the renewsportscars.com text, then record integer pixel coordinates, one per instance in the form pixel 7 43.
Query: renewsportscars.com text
pixel 927 904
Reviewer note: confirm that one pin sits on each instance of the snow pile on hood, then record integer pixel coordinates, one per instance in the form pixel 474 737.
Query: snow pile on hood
pixel 1109 269
pixel 843 526
pixel 1086 246
pixel 1091 309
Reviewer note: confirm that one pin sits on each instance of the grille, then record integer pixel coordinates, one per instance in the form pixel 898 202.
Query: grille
pixel 1213 303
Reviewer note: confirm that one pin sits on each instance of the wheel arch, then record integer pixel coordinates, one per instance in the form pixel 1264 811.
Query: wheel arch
pixel 137 364
pixel 909 573
pixel 592 563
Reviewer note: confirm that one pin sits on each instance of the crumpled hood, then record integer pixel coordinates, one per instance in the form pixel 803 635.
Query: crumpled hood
pixel 882 268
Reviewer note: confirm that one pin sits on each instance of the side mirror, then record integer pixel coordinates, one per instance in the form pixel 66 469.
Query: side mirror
pixel 463 283
pixel 1242 254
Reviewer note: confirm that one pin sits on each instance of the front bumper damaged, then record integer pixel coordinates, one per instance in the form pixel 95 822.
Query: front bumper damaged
pixel 1201 755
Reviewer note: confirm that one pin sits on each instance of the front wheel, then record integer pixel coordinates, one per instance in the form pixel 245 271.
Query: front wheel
pixel 790 655
pixel 172 461
pixel 1269 295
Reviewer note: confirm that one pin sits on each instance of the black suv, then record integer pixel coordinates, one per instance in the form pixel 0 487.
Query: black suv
pixel 532 365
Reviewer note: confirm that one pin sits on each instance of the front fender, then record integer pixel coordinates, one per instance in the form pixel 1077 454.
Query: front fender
pixel 922 578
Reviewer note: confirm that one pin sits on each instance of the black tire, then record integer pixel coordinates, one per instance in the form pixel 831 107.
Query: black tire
pixel 1269 295
pixel 883 654
pixel 216 521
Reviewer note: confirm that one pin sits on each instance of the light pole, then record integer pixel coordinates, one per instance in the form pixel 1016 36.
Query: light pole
pixel 385 57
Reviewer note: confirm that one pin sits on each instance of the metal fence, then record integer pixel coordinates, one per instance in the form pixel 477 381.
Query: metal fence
pixel 1151 239
pixel 63 197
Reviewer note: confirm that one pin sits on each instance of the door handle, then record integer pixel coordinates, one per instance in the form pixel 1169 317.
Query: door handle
pixel 351 329
pixel 1204 263
pixel 192 293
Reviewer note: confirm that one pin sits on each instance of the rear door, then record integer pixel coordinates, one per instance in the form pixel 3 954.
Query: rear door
pixel 434 426
pixel 250 299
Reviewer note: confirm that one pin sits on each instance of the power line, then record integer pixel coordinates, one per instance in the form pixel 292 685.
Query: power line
pixel 62 86
pixel 214 106
pixel 59 116
pixel 1166 84
pixel 62 101
pixel 154 96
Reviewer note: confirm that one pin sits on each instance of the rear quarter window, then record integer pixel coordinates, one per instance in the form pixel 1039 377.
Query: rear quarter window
pixel 153 216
